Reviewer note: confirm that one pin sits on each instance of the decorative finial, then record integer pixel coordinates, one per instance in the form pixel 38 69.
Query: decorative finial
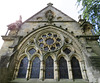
pixel 20 18
pixel 80 17
pixel 49 4
pixel 15 25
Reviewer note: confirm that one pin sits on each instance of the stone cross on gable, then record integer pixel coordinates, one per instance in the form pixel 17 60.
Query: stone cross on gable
pixel 49 4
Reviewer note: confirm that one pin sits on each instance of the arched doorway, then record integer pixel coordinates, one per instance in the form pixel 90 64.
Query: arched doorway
pixel 49 69
pixel 35 68
pixel 23 68
pixel 63 71
pixel 76 69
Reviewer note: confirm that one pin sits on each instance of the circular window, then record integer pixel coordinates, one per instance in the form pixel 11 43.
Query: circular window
pixel 50 41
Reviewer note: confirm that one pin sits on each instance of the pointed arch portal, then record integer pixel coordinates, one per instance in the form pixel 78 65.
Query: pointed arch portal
pixel 63 71
pixel 35 68
pixel 49 69
pixel 76 69
pixel 23 68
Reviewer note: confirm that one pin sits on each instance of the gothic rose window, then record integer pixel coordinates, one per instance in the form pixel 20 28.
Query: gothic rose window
pixel 49 41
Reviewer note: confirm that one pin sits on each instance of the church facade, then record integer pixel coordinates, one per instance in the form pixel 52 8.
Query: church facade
pixel 50 47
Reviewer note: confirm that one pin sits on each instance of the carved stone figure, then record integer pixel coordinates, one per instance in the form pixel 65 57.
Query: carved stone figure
pixel 15 25
pixel 49 15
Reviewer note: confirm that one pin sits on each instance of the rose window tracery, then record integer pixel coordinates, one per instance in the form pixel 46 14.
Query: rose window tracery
pixel 50 41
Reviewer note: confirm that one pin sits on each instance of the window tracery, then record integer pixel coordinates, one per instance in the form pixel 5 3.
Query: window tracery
pixel 32 51
pixel 49 41
pixel 49 68
pixel 67 50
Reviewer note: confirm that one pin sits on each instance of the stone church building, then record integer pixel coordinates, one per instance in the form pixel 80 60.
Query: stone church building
pixel 50 47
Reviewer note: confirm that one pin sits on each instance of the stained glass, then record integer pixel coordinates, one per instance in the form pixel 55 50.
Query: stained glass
pixel 49 72
pixel 67 51
pixel 49 34
pixel 23 68
pixel 58 39
pixel 41 40
pixel 46 48
pixel 49 41
pixel 63 71
pixel 35 68
pixel 57 44
pixel 52 48
pixel 55 35
pixel 44 36
pixel 76 69
pixel 32 51
pixel 41 44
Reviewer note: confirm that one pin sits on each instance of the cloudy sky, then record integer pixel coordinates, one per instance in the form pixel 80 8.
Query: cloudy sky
pixel 10 10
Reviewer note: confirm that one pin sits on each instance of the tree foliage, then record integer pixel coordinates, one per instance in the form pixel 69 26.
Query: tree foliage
pixel 91 12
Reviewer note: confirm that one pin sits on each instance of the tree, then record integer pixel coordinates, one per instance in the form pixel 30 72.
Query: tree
pixel 91 12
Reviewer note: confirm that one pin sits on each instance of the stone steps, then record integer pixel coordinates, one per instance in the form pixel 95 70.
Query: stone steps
pixel 48 81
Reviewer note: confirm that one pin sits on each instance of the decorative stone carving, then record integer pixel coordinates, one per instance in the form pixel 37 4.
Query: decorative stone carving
pixel 15 25
pixel 49 15
pixel 49 4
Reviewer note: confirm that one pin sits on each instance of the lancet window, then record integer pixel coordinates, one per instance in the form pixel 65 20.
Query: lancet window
pixel 23 68
pixel 76 69
pixel 49 68
pixel 35 71
pixel 63 71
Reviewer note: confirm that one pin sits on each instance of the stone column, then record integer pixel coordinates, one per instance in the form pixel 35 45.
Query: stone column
pixel 83 70
pixel 56 70
pixel 16 70
pixel 69 70
pixel 28 70
pixel 41 70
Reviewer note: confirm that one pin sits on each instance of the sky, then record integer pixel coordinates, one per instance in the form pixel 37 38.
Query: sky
pixel 10 10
